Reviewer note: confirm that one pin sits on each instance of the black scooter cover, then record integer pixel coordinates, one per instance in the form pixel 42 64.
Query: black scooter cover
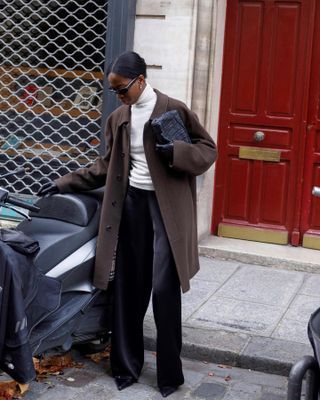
pixel 26 297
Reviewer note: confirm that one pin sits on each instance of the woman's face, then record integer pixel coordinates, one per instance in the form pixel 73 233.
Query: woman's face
pixel 127 90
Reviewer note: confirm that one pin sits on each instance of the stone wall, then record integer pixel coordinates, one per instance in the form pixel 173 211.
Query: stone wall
pixel 165 36
pixel 182 43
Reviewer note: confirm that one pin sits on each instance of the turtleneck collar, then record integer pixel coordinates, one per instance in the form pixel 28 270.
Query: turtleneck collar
pixel 146 96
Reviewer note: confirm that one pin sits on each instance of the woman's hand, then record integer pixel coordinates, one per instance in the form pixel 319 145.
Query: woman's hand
pixel 48 188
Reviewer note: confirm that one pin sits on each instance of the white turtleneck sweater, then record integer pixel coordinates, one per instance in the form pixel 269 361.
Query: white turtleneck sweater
pixel 140 113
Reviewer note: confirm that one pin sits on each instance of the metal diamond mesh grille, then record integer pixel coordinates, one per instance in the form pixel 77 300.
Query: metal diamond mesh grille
pixel 52 57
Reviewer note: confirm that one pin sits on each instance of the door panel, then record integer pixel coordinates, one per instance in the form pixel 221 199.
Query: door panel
pixel 239 171
pixel 243 135
pixel 274 197
pixel 265 73
pixel 284 58
pixel 248 56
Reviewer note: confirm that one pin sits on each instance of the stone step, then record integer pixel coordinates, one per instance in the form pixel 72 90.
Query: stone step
pixel 266 254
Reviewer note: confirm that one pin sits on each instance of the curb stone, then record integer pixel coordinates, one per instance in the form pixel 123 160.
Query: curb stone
pixel 273 356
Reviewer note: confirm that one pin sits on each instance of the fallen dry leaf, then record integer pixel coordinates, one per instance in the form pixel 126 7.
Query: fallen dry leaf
pixel 98 357
pixel 12 389
pixel 211 373
pixel 224 366
pixel 54 365
pixel 227 378
pixel 23 387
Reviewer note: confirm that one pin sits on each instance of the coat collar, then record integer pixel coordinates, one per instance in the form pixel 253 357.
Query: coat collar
pixel 161 104
pixel 159 108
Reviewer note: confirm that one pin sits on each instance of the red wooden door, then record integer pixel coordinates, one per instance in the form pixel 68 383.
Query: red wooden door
pixel 310 215
pixel 266 72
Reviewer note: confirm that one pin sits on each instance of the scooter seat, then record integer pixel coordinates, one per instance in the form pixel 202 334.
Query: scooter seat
pixel 64 224
pixel 75 209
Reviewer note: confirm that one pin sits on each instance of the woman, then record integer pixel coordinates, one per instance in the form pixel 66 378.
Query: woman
pixel 148 218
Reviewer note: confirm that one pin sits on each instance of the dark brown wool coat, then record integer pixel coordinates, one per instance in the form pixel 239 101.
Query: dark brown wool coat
pixel 175 186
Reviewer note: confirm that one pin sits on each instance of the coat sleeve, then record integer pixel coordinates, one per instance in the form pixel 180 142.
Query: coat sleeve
pixel 91 177
pixel 197 157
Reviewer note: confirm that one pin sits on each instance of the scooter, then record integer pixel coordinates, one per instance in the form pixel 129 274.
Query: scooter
pixel 66 228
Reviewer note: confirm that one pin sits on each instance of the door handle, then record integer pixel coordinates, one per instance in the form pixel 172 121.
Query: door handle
pixel 316 191
pixel 259 136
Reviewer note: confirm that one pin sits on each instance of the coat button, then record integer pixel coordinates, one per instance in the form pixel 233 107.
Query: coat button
pixel 114 203
pixel 119 177
pixel 108 227
pixel 122 155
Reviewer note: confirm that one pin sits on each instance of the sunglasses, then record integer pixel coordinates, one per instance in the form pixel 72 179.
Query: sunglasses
pixel 125 89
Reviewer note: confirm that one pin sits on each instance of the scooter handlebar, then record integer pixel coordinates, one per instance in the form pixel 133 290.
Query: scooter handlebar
pixel 20 203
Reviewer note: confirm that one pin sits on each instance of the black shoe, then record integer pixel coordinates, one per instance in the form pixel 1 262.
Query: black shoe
pixel 167 390
pixel 123 381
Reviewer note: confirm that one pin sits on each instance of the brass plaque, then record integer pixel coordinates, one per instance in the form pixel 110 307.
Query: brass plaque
pixel 256 153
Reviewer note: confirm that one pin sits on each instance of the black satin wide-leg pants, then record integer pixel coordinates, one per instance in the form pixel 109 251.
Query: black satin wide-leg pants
pixel 145 264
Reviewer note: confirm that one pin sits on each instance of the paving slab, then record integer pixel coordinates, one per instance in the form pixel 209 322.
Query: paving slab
pixel 301 308
pixel 235 315
pixel 245 315
pixel 211 270
pixel 311 286
pixel 292 331
pixel 262 285
pixel 194 299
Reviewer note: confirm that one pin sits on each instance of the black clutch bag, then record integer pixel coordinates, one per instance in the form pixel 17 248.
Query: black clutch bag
pixel 169 127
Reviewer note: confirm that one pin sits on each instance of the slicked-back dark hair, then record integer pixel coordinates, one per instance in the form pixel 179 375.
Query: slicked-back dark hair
pixel 129 65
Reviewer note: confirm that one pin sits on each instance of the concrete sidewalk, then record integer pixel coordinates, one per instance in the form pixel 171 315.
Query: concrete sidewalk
pixel 248 315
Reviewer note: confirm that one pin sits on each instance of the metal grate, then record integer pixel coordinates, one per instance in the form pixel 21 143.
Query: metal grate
pixel 52 56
